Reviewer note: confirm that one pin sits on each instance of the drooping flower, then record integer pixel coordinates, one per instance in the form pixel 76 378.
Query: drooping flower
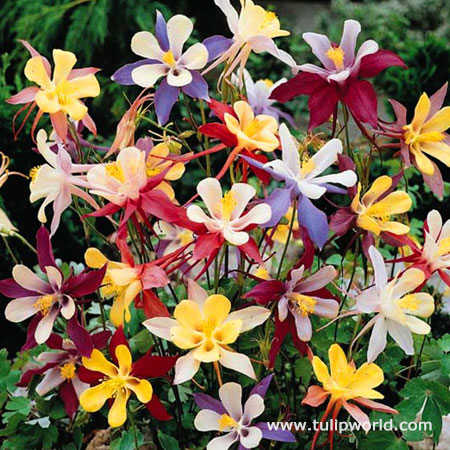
pixel 296 300
pixel 228 416
pixel 424 136
pixel 118 381
pixel 57 181
pixel 5 173
pixel 204 325
pixel 60 369
pixel 303 181
pixel 165 59
pixel 343 384
pixel 340 78
pixel 226 220
pixel 61 95
pixel 254 29
pixel 46 299
pixel 397 307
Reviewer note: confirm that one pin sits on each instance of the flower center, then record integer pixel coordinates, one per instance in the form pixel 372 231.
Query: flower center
pixel 43 304
pixel 412 137
pixel 444 247
pixel 185 237
pixel 410 302
pixel 226 422
pixel 307 165
pixel 116 384
pixel 67 371
pixel 336 54
pixel 169 59
pixel 208 326
pixel 152 171
pixel 303 304
pixel 254 127
pixel 114 170
pixel 110 289
pixel 268 83
pixel 228 204
pixel 33 173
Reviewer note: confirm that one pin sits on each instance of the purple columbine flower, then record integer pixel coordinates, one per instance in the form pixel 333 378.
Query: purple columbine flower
pixel 304 181
pixel 164 58
pixel 228 416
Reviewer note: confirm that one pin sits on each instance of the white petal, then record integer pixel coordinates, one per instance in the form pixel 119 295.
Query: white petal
pixel 416 325
pixel 311 190
pixel 20 309
pixel 146 45
pixel 210 191
pixel 367 48
pixel 242 193
pixel 179 28
pixel 325 157
pixel 290 154
pixel 148 75
pixel 347 178
pixel 68 310
pixel 251 317
pixel 409 280
pixel 377 342
pixel 402 335
pixel 379 268
pixel 45 326
pixel 434 222
pixel 296 276
pixel 238 362
pixel 368 301
pixel 51 380
pixel 303 327
pixel 230 395
pixel 54 277
pixel 160 326
pixel 196 293
pixel 318 280
pixel 230 13
pixel 259 214
pixel 250 437
pixel 328 308
pixel 44 149
pixel 179 77
pixel 196 214
pixel 185 368
pixel 27 279
pixel 340 76
pixel 207 420
pixel 352 28
pixel 235 237
pixel 254 407
pixel 223 442
pixel 195 57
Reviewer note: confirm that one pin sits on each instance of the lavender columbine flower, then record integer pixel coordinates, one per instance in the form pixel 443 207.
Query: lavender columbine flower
pixel 165 58
pixel 303 181
pixel 227 415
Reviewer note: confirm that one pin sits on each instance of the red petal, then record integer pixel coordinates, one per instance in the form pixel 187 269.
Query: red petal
pixel 375 405
pixel 220 109
pixel 24 96
pixel 267 291
pixel 118 338
pixel 157 409
pixel 322 104
pixel 302 84
pixel 206 244
pixel 80 337
pixel 219 131
pixel 372 65
pixel 69 398
pixel 153 366
pixel 251 251
pixel 362 102
pixel 152 305
pixel 315 396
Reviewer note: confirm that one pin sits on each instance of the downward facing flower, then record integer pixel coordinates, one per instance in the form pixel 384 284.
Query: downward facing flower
pixel 228 416
pixel 204 325
pixel 397 307
pixel 226 212
pixel 118 384
pixel 342 383
pixel 376 207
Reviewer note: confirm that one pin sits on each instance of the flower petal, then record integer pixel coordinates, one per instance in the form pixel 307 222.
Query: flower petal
pixel 179 28
pixel 185 368
pixel 207 420
pixel 146 45
pixel 195 57
pixel 98 363
pixel 251 317
pixel 238 362
pixel 118 413
pixel 142 388
pixel 148 74
pixel 231 396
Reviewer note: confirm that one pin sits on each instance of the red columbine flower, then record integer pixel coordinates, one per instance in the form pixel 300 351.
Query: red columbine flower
pixel 340 78
pixel 60 370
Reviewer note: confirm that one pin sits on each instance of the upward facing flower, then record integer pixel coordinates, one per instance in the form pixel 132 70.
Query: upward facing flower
pixel 397 309
pixel 340 77
pixel 343 384
pixel 204 325
pixel 60 95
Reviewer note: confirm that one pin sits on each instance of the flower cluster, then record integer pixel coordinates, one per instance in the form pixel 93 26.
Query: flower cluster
pixel 200 289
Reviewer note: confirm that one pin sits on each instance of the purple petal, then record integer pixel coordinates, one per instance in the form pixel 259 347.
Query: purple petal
pixel 217 45
pixel 278 435
pixel 80 337
pixel 31 341
pixel 9 288
pixel 437 100
pixel 197 88
pixel 279 201
pixel 314 220
pixel 44 249
pixel 85 283
pixel 123 75
pixel 69 398
pixel 260 165
pixel 334 189
pixel 205 401
pixel 261 388
pixel 165 97
pixel 161 32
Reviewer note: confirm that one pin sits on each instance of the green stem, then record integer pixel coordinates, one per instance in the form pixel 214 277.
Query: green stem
pixel 133 427
pixel 291 226
pixel 24 241
pixel 10 250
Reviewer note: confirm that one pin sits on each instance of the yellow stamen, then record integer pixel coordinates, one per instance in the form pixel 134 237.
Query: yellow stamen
pixel 115 170
pixel 410 302
pixel 185 237
pixel 67 371
pixel 226 421
pixel 336 54
pixel 152 171
pixel 169 59
pixel 33 173
pixel 412 137
pixel 208 326
pixel 229 202
pixel 268 83
pixel 44 303
pixel 444 247
pixel 254 127
pixel 307 165
pixel 262 272
pixel 304 304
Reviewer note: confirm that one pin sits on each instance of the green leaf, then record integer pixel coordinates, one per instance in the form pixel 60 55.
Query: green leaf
pixel 21 405
pixel 167 442
pixel 383 439
pixel 303 370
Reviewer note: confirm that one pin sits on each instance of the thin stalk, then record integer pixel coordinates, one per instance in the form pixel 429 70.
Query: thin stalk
pixel 291 226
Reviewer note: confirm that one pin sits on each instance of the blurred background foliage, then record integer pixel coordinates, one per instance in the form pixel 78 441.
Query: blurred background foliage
pixel 100 31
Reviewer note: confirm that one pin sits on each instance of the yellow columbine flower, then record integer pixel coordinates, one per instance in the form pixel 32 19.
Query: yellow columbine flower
pixel 61 93
pixel 118 384
pixel 425 134
pixel 374 215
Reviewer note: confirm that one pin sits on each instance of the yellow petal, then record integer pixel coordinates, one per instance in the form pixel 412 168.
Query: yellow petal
pixel 188 314
pixel 48 102
pixel 420 304
pixel 423 162
pixel 397 202
pixel 158 150
pixel 228 332
pixel 35 72
pixel 394 228
pixel 369 224
pixel 64 62
pixel 82 87
pixel 142 388
pixel 379 187
pixel 95 397
pixel 440 122
pixel 167 189
pixel 123 276
pixel 98 363
pixel 368 376
pixel 209 351
pixel 75 109
pixel 94 258
pixel 421 112
pixel 438 150
pixel 244 112
pixel 339 367
pixel 123 356
pixel 216 309
pixel 119 311
pixel 185 338
pixel 118 413
pixel 354 205
pixel 175 172
pixel 320 369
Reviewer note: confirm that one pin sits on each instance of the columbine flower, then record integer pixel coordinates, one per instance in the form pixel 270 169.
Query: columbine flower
pixel 395 306
pixel 59 96
pixel 125 282
pixel 204 325
pixel 340 77
pixel 60 369
pixel 6 226
pixel 45 299
pixel 304 182
pixel 345 383
pixel 254 29
pixel 424 136
pixel 172 237
pixel 56 182
pixel 228 416
pixel 375 208
pixel 165 58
